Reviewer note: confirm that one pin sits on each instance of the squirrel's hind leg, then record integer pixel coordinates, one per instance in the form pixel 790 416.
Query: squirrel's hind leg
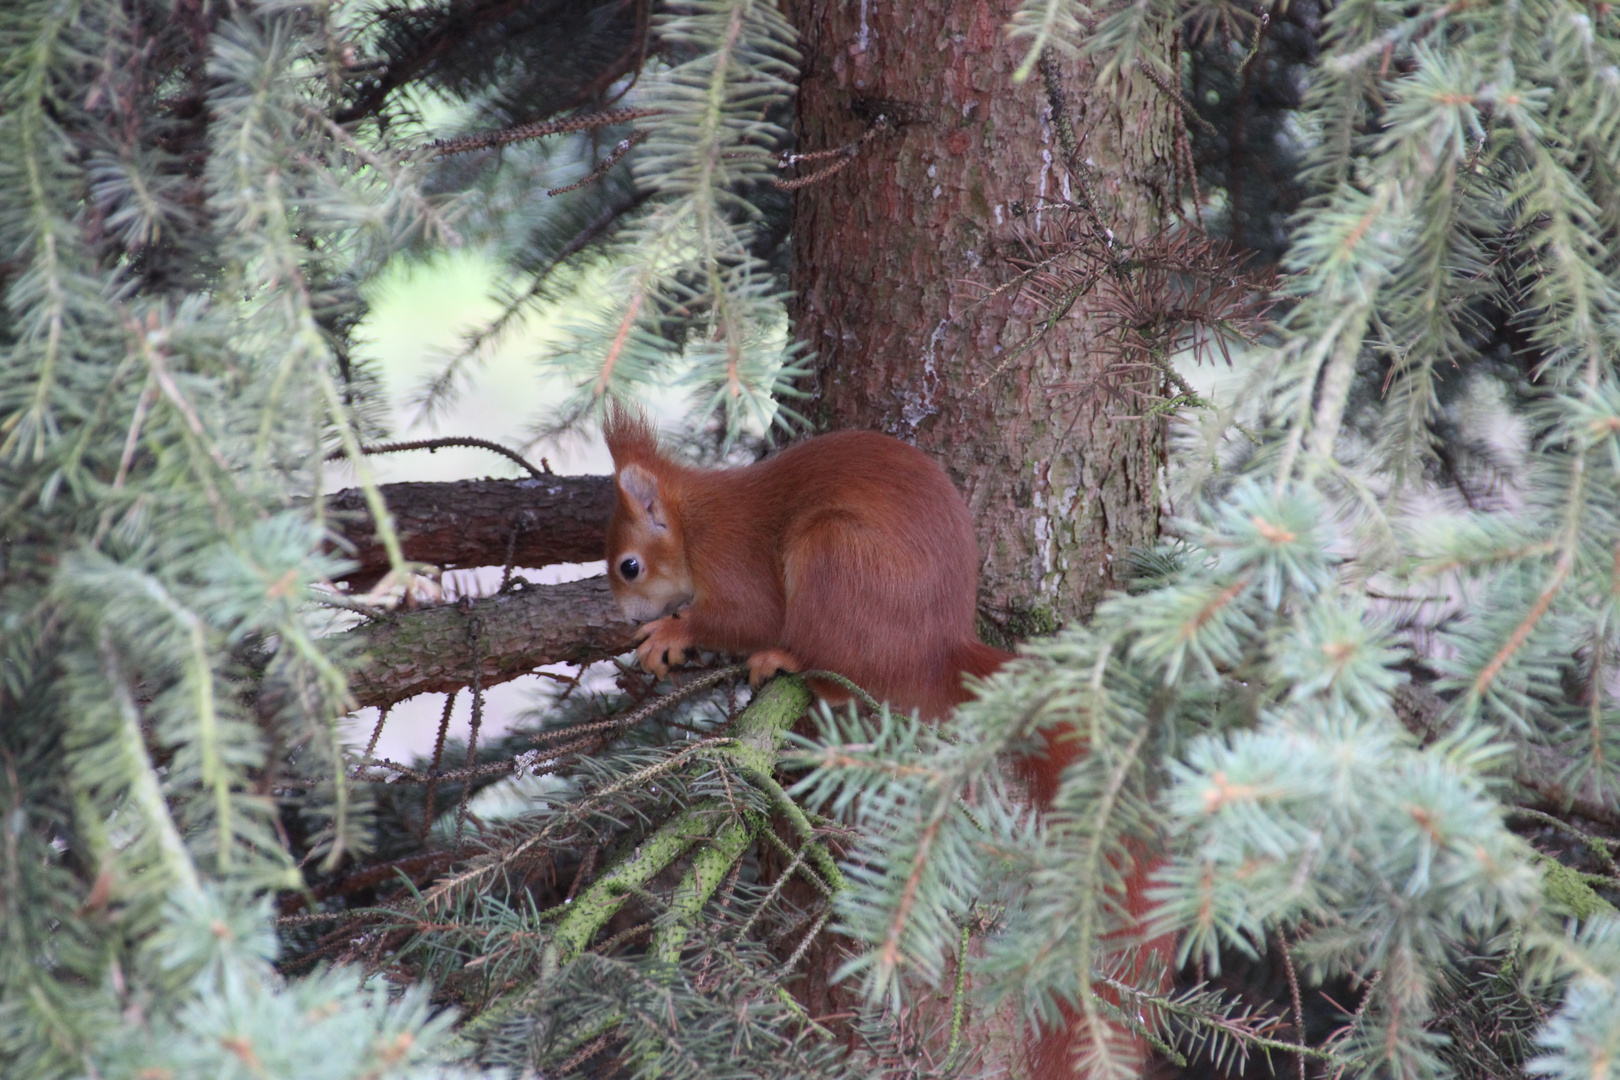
pixel 856 604
pixel 767 662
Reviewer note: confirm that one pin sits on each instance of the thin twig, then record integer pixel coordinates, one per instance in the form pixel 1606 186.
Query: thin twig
pixel 1188 111
pixel 1597 845
pixel 804 945
pixel 775 891
pixel 585 1053
pixel 582 872
pixel 847 683
pixel 376 732
pixel 1058 102
pixel 958 997
pixel 1408 32
pixel 844 155
pixel 809 873
pixel 606 164
pixel 1299 1008
pixel 438 759
pixel 1235 1028
pixel 511 553
pixel 475 645
pixel 448 440
pixel 438 387
pixel 1254 48
pixel 490 139
pixel 573 813
pixel 549 759
pixel 621 937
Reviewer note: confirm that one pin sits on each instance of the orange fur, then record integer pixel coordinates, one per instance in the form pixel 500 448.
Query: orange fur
pixel 851 552
pixel 1051 1054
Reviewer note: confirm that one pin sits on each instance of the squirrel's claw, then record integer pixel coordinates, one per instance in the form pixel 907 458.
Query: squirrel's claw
pixel 664 644
pixel 766 663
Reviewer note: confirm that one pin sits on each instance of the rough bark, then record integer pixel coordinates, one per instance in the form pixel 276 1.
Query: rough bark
pixel 893 252
pixel 475 522
pixel 431 650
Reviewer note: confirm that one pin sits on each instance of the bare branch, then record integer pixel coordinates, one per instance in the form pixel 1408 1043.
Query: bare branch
pixel 471 523
pixel 425 650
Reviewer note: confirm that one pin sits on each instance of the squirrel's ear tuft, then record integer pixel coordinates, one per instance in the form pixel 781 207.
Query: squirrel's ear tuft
pixel 629 434
pixel 639 489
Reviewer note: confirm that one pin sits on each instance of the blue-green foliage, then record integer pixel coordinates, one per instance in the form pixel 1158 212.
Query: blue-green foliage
pixel 690 303
pixel 1238 719
pixel 1246 715
pixel 182 244
pixel 1255 766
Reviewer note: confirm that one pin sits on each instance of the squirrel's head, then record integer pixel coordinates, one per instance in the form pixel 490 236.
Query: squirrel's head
pixel 646 556
pixel 646 553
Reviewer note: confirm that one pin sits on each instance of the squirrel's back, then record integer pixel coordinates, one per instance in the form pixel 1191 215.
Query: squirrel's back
pixel 878 563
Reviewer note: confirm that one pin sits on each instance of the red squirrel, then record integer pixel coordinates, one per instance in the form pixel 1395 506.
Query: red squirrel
pixel 850 552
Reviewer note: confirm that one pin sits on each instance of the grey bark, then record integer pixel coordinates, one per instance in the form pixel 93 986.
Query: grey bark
pixel 471 523
pixel 431 650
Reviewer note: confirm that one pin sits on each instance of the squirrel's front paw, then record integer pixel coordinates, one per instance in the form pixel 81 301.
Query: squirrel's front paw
pixel 762 665
pixel 664 644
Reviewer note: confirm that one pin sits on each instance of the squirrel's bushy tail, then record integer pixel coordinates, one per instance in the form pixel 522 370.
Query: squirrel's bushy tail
pixel 1050 1055
pixel 972 657
pixel 977 659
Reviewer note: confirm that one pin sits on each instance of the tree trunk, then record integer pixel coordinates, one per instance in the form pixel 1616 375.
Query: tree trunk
pixel 894 254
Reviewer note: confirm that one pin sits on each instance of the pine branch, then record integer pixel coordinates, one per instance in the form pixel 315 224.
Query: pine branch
pixel 538 130
pixel 425 650
pixel 468 523
pixel 450 440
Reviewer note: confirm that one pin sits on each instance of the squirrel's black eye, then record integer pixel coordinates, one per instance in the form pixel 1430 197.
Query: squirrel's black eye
pixel 630 569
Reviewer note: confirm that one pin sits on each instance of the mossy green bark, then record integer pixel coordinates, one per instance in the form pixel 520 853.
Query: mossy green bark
pixel 702 878
pixel 730 829
pixel 1567 889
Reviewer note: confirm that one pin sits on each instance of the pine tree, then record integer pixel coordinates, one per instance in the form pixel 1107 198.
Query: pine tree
pixel 1244 708
pixel 184 229
pixel 1353 713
